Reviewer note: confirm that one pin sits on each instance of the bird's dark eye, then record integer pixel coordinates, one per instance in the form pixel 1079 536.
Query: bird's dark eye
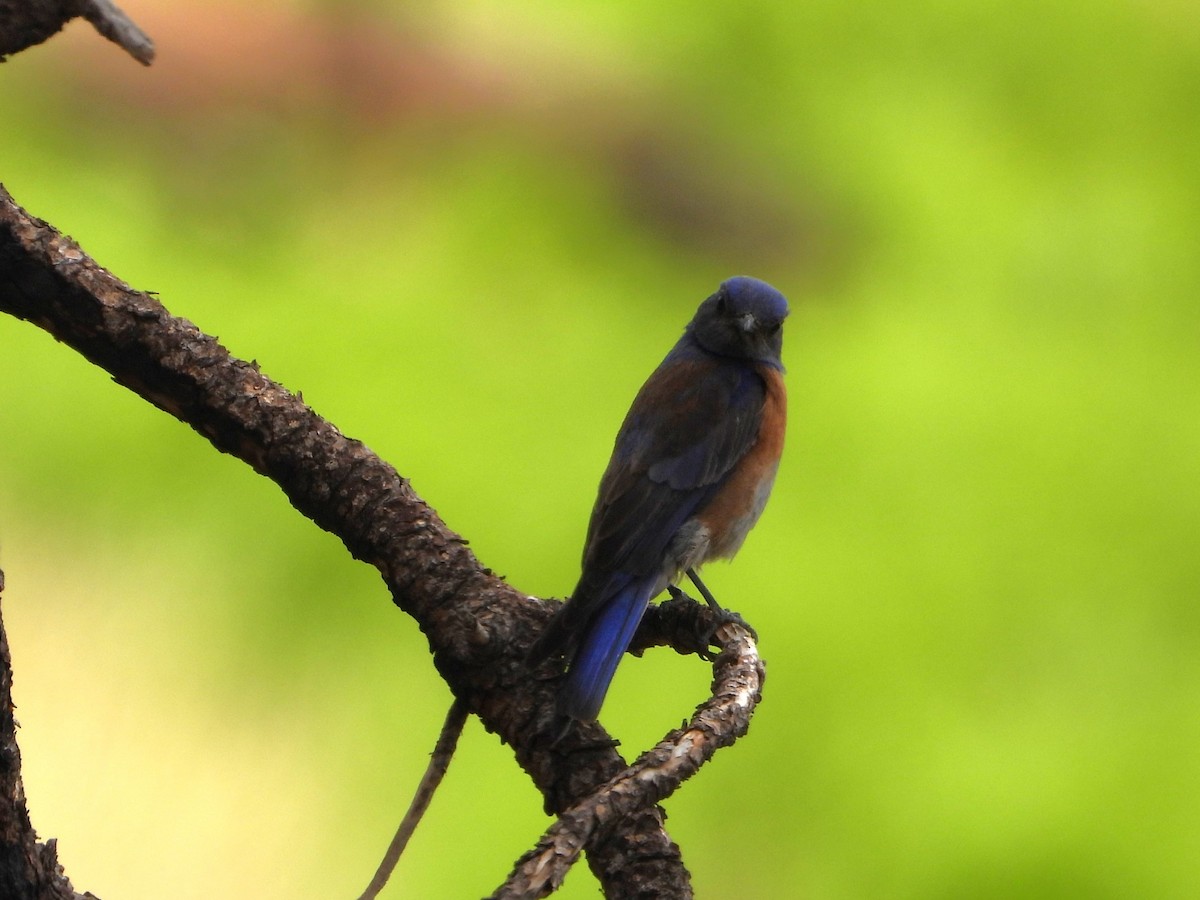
pixel 722 303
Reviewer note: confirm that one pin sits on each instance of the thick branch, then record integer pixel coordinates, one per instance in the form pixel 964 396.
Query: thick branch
pixel 24 23
pixel 478 627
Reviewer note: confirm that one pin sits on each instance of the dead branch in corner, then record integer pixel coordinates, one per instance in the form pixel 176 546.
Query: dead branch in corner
pixel 25 23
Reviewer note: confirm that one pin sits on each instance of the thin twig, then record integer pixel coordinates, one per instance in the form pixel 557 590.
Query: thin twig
pixel 108 19
pixel 439 761
pixel 738 675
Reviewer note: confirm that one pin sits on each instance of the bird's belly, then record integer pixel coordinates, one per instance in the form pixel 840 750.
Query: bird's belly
pixel 719 530
pixel 732 512
pixel 728 524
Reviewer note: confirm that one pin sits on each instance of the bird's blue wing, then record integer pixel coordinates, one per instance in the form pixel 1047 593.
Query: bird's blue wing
pixel 688 427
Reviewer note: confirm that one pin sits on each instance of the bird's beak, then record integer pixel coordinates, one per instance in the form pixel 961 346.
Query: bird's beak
pixel 747 322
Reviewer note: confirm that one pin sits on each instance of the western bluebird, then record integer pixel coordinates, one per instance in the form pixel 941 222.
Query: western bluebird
pixel 689 475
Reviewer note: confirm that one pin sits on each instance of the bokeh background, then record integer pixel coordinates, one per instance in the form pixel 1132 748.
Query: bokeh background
pixel 466 233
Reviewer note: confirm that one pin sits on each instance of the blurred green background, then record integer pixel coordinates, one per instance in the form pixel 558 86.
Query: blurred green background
pixel 466 233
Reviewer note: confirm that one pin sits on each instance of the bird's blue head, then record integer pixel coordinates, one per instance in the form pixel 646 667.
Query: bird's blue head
pixel 744 320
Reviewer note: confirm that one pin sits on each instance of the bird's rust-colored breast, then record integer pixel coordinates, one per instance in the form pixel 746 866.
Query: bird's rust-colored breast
pixel 736 507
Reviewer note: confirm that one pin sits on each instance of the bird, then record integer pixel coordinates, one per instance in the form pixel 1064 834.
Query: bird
pixel 691 469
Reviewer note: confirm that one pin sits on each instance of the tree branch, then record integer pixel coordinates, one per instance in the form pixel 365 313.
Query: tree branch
pixel 479 628
pixel 737 687
pixel 24 23
pixel 29 870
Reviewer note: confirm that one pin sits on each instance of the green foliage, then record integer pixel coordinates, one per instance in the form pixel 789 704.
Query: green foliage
pixel 976 584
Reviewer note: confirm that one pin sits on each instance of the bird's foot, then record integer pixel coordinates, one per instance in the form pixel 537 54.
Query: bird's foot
pixel 708 625
pixel 708 632
pixel 729 617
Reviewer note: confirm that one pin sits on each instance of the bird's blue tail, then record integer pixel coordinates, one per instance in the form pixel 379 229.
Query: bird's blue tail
pixel 595 662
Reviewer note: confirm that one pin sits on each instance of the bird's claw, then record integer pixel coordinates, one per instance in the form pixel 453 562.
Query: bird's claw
pixel 728 617
pixel 706 633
